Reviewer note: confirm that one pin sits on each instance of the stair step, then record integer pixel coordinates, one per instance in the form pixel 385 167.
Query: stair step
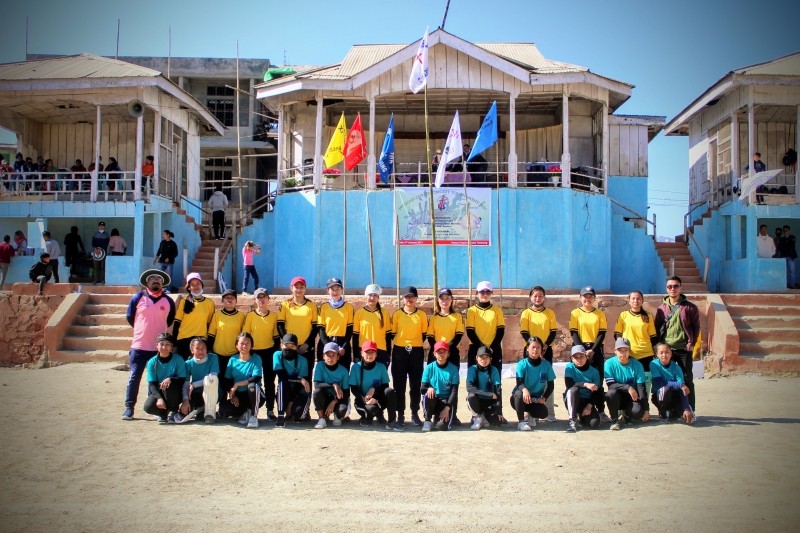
pixel 768 348
pixel 102 309
pixel 91 356
pixel 97 343
pixel 768 334
pixel 102 320
pixel 117 299
pixel 765 322
pixel 694 288
pixel 764 299
pixel 104 330
pixel 765 310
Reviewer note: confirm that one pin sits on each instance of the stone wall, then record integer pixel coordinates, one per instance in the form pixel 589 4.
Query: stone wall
pixel 22 321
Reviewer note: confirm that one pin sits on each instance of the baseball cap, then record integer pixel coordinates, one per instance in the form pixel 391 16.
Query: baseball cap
pixel 165 337
pixel 410 291
pixel 484 350
pixel 441 345
pixel 484 286
pixel 260 291
pixel 298 279
pixel 588 290
pixel 229 292
pixel 445 290
pixel 289 338
pixel 622 342
pixel 369 345
pixel 101 223
pixel 332 282
pixel 578 348
pixel 331 347
pixel 372 289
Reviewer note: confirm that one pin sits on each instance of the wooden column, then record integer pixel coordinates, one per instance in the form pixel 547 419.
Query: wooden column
pixel 735 172
pixel 606 149
pixel 137 188
pixel 512 140
pixel 565 158
pixel 318 145
pixel 751 141
pixel 156 151
pixel 98 128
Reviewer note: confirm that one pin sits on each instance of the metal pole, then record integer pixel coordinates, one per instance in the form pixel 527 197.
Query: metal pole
pixel 344 239
pixel 672 266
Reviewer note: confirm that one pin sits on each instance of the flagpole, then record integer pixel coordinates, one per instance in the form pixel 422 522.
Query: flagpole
pixel 344 214
pixel 397 244
pixel 469 243
pixel 369 240
pixel 499 247
pixel 430 197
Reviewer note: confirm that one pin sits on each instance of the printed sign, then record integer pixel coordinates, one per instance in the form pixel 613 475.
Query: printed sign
pixel 450 215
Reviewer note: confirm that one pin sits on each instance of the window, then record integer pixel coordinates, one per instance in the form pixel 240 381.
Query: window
pixel 220 101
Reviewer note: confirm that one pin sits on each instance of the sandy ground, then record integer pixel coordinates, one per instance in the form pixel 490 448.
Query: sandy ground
pixel 70 464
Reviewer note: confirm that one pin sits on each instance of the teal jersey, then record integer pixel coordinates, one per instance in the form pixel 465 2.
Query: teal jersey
pixel 198 371
pixel 336 376
pixel 294 369
pixel 158 370
pixel 629 374
pixel 441 379
pixel 368 378
pixel 671 373
pixel 535 378
pixel 239 370
pixel 590 375
pixel 488 381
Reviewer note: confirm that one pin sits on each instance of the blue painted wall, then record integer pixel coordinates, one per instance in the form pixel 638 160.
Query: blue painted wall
pixel 635 264
pixel 629 191
pixel 558 238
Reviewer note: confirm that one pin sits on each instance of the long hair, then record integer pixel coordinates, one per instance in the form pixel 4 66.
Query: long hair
pixel 644 315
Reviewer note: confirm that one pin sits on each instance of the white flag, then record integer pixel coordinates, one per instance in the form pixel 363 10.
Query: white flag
pixel 419 70
pixel 452 150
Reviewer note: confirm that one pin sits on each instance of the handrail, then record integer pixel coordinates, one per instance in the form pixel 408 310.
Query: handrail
pixel 626 208
pixel 200 207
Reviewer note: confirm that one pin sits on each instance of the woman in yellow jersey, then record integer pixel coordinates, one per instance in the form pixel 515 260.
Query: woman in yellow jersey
pixel 372 323
pixel 262 325
pixel 588 326
pixel 193 315
pixel 639 328
pixel 335 323
pixel 539 321
pixel 226 324
pixel 485 327
pixel 446 324
pixel 298 315
pixel 409 327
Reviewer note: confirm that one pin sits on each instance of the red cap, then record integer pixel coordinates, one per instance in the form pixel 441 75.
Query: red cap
pixel 298 279
pixel 441 345
pixel 369 345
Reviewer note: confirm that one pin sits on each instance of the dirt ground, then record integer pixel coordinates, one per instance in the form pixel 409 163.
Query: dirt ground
pixel 70 464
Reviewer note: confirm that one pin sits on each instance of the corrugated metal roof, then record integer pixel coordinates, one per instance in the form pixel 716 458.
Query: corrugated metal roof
pixel 73 67
pixel 362 56
pixel 783 66
pixel 528 56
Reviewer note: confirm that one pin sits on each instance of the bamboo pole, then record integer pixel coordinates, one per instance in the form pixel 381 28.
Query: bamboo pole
pixel 344 214
pixel 397 245
pixel 499 247
pixel 369 240
pixel 469 243
pixel 430 196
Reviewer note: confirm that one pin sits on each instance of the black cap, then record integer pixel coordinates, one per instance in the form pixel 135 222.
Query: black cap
pixel 289 338
pixel 333 282
pixel 445 290
pixel 483 350
pixel 229 292
pixel 165 337
pixel 588 290
pixel 410 291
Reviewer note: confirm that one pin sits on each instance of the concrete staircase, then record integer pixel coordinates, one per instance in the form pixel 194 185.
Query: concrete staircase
pixel 203 264
pixel 768 325
pixel 100 331
pixel 685 266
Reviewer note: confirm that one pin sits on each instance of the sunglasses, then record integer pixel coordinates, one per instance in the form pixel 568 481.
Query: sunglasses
pixel 673 286
pixel 484 292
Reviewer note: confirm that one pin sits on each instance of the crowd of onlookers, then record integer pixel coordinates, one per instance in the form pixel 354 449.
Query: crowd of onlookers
pixel 43 175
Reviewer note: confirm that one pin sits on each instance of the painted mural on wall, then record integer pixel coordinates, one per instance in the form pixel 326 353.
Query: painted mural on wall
pixel 450 215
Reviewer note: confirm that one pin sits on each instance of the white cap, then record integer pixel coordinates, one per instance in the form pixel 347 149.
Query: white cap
pixel 484 286
pixel 372 289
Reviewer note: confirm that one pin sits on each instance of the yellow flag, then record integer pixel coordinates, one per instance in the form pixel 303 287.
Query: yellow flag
pixel 335 152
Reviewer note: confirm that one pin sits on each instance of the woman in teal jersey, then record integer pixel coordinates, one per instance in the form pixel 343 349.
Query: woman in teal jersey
pixel 583 393
pixel 369 385
pixel 166 374
pixel 244 372
pixel 535 378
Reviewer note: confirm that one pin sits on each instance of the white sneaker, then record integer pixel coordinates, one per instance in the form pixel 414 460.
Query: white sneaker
pixel 524 426
pixel 177 418
pixel 244 419
pixel 426 426
pixel 252 422
pixel 615 426
pixel 337 421
pixel 476 423
pixel 321 424
pixel 192 415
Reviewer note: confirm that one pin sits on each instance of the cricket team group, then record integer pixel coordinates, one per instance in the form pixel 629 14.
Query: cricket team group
pixel 203 364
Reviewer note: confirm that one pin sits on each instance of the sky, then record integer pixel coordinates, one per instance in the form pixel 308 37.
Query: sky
pixel 671 51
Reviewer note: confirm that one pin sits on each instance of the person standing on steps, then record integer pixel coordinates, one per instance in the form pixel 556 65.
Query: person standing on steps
pixel 150 313
pixel 217 204
pixel 678 325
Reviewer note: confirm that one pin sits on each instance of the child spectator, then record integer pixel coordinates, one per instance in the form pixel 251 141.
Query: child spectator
pixel 41 272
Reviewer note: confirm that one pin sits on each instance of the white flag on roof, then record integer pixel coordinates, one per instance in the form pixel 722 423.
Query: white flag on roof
pixel 419 70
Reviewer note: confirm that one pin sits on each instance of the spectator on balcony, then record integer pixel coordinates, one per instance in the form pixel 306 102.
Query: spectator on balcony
pixel 51 247
pixel 114 173
pixel 217 204
pixel 19 169
pixel 99 169
pixel 148 172
pixel 72 244
pixel 789 251
pixel 76 169
pixel 116 244
pixel 758 164
pixel 6 172
pixel 764 243
pixel 166 254
pixel 47 183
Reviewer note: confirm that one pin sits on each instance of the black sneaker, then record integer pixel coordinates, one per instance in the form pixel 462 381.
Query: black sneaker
pixel 401 422
pixel 271 416
pixel 209 419
pixel 415 419
pixel 280 422
pixel 128 414
pixel 365 422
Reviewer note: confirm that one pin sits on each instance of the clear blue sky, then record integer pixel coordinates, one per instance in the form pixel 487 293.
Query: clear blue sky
pixel 671 51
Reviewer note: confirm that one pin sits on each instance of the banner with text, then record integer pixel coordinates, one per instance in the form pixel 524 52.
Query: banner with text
pixel 450 214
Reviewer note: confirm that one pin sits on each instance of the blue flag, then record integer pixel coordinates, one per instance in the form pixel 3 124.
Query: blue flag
pixel 487 135
pixel 386 161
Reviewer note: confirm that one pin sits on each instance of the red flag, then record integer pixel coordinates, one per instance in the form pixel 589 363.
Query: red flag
pixel 355 148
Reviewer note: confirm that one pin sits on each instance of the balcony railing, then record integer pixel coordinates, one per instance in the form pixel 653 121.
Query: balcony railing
pixel 71 186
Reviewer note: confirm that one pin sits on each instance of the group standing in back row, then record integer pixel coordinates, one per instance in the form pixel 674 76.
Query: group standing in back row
pixel 305 347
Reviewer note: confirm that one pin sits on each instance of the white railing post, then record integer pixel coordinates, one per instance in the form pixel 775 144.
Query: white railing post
pixel 185 261
pixel 216 263
pixel 705 270
pixel 672 266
